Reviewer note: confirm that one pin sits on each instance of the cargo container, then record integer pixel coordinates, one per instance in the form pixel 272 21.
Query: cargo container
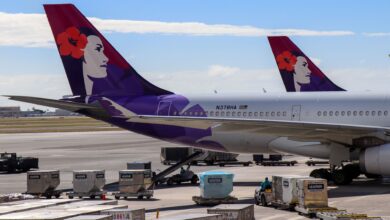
pixel 234 211
pixel 88 183
pixel 285 188
pixel 135 183
pixel 43 183
pixel 312 193
pixel 139 165
pixel 126 214
pixel 193 216
pixel 91 217
pixel 170 155
pixel 215 184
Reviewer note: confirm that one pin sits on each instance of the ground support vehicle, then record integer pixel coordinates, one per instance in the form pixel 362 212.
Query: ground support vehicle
pixel 279 163
pixel 316 162
pixel 91 195
pixel 234 163
pixel 148 194
pixel 10 162
pixel 213 201
pixel 184 176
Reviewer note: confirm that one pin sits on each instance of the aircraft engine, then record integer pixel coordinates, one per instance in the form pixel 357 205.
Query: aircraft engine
pixel 376 160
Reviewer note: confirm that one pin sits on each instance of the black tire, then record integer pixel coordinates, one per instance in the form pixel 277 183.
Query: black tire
pixel 321 173
pixel 340 177
pixel 80 197
pixel 257 201
pixel 148 197
pixel 57 196
pixel 140 197
pixel 353 170
pixel 263 201
pixel 117 197
pixel 48 196
pixel 92 196
pixel 246 164
pixel 125 197
pixel 70 197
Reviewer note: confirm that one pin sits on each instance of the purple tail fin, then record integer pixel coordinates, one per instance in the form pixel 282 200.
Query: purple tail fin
pixel 298 72
pixel 91 63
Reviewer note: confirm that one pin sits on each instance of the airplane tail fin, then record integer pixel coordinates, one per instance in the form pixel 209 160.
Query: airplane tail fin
pixel 298 72
pixel 92 65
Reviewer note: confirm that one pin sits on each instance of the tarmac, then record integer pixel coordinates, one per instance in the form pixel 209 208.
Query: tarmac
pixel 111 150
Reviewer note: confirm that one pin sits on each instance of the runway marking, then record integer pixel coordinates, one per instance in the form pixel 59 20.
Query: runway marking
pixel 280 216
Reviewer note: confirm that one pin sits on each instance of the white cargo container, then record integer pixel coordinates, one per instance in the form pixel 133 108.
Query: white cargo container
pixel 135 183
pixel 285 190
pixel 126 214
pixel 215 184
pixel 234 211
pixel 43 182
pixel 193 216
pixel 312 193
pixel 88 183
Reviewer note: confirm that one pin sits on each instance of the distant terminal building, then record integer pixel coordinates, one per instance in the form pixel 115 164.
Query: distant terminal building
pixel 10 111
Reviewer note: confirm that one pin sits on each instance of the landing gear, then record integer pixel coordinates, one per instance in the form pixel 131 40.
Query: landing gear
pixel 340 176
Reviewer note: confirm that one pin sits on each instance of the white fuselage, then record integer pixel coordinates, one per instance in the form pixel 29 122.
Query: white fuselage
pixel 362 109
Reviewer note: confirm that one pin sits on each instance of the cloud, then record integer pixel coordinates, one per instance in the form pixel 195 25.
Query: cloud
pixel 377 34
pixel 316 61
pixel 32 30
pixel 222 71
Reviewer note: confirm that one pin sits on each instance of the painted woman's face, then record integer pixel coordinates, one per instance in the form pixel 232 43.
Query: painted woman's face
pixel 94 59
pixel 302 71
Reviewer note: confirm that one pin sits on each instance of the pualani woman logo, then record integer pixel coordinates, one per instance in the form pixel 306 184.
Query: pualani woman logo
pixel 295 65
pixel 89 49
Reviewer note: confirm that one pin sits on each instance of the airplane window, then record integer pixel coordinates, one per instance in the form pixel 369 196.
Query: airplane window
pixel 272 114
pixel 373 113
pixel 319 113
pixel 325 113
pixel 379 113
pixel 206 113
pixel 278 114
pixel 238 114
pixel 284 114
pixel 361 113
pixel 354 113
pixel 336 113
pixel 190 113
pixel 342 113
pixel 256 114
pixel 250 114
pixel 234 114
pixel 385 113
pixel 367 113
pixel 266 114
pixel 244 114
pixel 174 113
pixel 228 114
pixel 330 113
pixel 261 114
pixel 222 114
pixel 196 113
pixel 216 114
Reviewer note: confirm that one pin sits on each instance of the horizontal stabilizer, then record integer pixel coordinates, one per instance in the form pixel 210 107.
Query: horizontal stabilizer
pixel 66 105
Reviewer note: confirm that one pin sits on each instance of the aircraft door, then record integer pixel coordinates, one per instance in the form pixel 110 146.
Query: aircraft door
pixel 296 113
pixel 164 108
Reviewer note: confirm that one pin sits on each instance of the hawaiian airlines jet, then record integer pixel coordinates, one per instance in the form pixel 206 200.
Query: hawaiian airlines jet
pixel 338 126
pixel 299 73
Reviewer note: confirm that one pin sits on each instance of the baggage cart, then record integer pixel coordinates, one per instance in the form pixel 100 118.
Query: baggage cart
pixel 199 200
pixel 135 183
pixel 88 183
pixel 234 211
pixel 43 183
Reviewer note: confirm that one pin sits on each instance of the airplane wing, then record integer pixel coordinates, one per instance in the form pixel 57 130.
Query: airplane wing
pixel 293 129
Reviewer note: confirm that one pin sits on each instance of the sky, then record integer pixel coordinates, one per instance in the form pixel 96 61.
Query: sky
pixel 197 47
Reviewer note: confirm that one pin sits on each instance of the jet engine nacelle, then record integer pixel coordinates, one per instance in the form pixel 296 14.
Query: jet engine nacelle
pixel 376 160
